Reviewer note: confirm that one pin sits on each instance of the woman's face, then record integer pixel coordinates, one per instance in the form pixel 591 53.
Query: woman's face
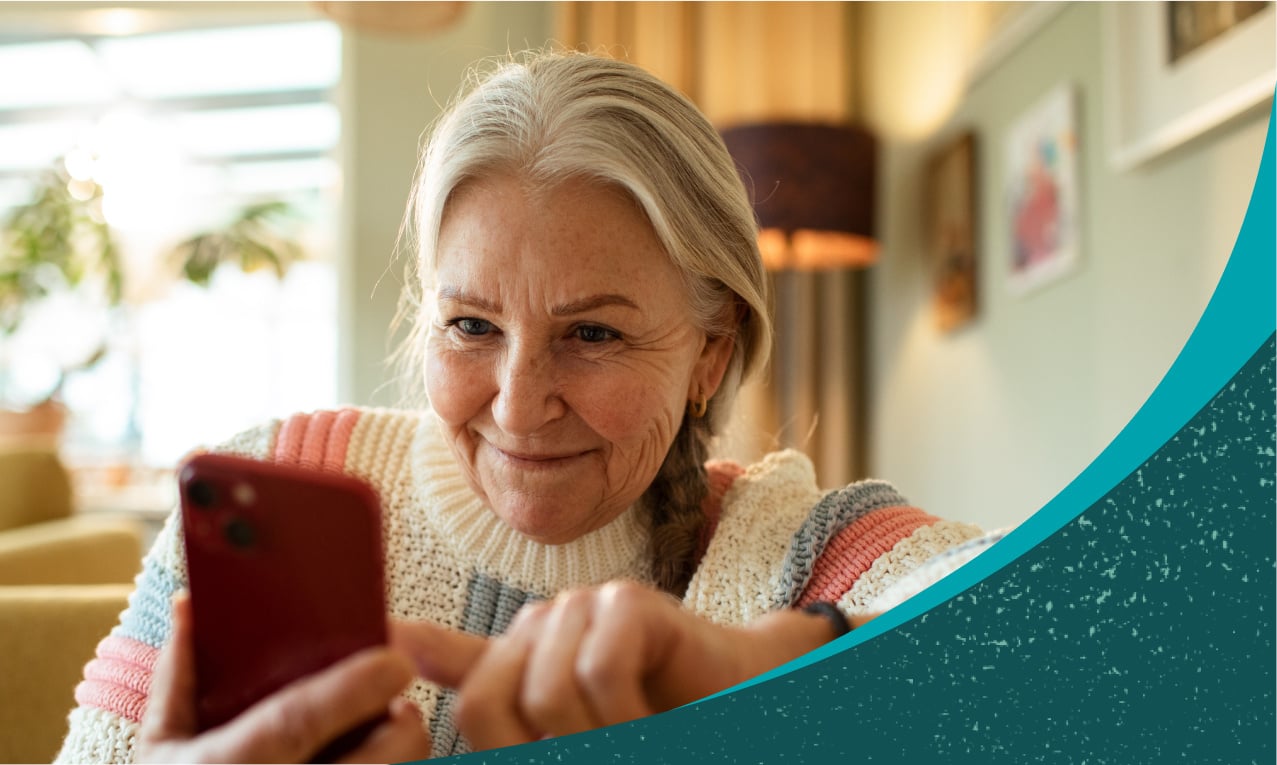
pixel 562 352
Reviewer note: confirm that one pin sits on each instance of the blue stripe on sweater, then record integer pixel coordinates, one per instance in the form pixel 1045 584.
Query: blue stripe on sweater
pixel 149 616
pixel 490 607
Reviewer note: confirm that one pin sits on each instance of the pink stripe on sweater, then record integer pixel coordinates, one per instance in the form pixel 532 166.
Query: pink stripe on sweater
pixel 721 474
pixel 315 442
pixel 124 702
pixel 288 444
pixel 339 439
pixel 119 679
pixel 128 650
pixel 318 440
pixel 854 549
pixel 118 673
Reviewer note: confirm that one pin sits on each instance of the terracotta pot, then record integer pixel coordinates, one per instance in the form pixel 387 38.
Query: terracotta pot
pixel 41 425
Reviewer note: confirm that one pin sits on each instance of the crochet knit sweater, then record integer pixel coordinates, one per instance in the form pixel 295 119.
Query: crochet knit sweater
pixel 773 541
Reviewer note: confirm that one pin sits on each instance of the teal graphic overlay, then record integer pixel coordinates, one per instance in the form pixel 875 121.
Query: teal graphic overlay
pixel 1128 621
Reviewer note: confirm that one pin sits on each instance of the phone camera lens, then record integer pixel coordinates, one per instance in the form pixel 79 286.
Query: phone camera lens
pixel 201 494
pixel 240 534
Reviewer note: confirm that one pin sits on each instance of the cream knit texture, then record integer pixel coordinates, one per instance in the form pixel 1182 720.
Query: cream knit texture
pixel 908 555
pixel 741 570
pixel 450 560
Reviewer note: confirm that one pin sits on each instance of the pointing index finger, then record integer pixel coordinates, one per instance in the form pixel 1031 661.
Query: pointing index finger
pixel 442 655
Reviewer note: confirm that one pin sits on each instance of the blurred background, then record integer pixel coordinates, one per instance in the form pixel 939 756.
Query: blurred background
pixel 201 203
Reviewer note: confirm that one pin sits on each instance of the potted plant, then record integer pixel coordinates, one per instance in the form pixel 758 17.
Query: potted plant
pixel 251 241
pixel 57 243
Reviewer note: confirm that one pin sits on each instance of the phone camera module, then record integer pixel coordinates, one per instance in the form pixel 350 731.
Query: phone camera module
pixel 201 494
pixel 240 534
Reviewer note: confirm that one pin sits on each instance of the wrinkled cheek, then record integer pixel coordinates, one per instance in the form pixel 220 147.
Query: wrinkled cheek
pixel 642 427
pixel 455 389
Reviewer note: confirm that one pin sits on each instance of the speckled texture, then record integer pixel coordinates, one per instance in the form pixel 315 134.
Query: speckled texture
pixel 1140 632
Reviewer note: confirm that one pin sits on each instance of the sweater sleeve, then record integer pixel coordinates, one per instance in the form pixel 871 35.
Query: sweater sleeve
pixel 781 542
pixel 861 541
pixel 113 693
pixel 112 696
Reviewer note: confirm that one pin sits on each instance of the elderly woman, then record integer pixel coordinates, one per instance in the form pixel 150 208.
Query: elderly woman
pixel 560 552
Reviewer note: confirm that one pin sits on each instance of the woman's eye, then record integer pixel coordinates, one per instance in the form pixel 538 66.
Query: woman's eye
pixel 592 334
pixel 473 327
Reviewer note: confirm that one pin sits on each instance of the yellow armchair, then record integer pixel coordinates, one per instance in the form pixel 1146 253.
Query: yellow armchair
pixel 47 635
pixel 64 579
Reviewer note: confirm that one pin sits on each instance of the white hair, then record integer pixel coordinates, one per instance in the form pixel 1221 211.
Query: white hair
pixel 560 115
pixel 555 116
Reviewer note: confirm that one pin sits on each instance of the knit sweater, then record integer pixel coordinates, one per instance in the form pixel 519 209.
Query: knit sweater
pixel 773 540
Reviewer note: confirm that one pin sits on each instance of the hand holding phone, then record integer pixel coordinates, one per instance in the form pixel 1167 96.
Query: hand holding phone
pixel 285 570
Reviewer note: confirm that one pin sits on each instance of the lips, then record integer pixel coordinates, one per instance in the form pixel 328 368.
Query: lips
pixel 536 458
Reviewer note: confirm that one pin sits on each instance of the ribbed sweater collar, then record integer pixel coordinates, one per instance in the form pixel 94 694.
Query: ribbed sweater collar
pixel 481 539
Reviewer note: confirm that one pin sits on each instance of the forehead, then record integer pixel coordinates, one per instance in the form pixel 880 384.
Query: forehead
pixel 578 235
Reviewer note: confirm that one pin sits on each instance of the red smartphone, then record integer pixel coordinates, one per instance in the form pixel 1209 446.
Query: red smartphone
pixel 286 577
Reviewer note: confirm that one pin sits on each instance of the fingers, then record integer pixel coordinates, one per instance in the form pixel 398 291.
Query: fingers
pixel 170 712
pixel 553 696
pixel 442 655
pixel 489 711
pixel 299 720
pixel 402 738
pixel 488 673
pixel 610 665
pixel 574 664
pixel 587 659
pixel 290 725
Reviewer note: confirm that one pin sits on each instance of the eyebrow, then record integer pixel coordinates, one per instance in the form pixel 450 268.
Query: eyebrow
pixel 458 295
pixel 593 302
pixel 567 309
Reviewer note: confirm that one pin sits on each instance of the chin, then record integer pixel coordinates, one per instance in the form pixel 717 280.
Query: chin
pixel 533 520
pixel 546 522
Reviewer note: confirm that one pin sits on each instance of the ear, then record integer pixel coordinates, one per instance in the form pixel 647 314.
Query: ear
pixel 710 367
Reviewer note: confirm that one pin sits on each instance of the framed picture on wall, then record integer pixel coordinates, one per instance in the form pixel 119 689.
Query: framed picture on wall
pixel 951 208
pixel 1041 192
pixel 1173 71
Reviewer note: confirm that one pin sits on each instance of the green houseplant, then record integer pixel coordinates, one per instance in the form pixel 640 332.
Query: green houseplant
pixel 57 242
pixel 251 240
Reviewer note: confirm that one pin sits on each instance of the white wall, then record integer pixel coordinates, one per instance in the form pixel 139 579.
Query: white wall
pixel 990 422
pixel 392 90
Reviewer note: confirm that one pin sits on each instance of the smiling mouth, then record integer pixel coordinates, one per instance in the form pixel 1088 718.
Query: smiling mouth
pixel 537 460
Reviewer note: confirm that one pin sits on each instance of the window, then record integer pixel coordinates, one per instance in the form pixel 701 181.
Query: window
pixel 181 129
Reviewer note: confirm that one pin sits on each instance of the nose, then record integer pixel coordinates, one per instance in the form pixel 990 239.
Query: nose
pixel 528 395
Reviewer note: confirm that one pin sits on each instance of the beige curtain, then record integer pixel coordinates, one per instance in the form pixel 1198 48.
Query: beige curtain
pixel 748 62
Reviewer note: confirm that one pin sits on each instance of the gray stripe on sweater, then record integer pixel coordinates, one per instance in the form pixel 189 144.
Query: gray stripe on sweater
pixel 833 513
pixel 490 607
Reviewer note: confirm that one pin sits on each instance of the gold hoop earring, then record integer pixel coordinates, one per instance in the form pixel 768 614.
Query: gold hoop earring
pixel 698 407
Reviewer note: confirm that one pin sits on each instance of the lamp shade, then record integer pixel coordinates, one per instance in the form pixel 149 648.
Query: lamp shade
pixel 393 18
pixel 813 191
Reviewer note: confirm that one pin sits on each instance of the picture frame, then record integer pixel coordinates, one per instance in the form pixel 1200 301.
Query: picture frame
pixel 1041 188
pixel 1154 104
pixel 951 229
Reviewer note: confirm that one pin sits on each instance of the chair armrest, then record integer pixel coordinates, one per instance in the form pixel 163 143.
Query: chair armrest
pixel 72 550
pixel 47 634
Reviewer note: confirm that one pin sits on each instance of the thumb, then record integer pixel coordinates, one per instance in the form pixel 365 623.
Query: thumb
pixel 442 655
pixel 170 712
